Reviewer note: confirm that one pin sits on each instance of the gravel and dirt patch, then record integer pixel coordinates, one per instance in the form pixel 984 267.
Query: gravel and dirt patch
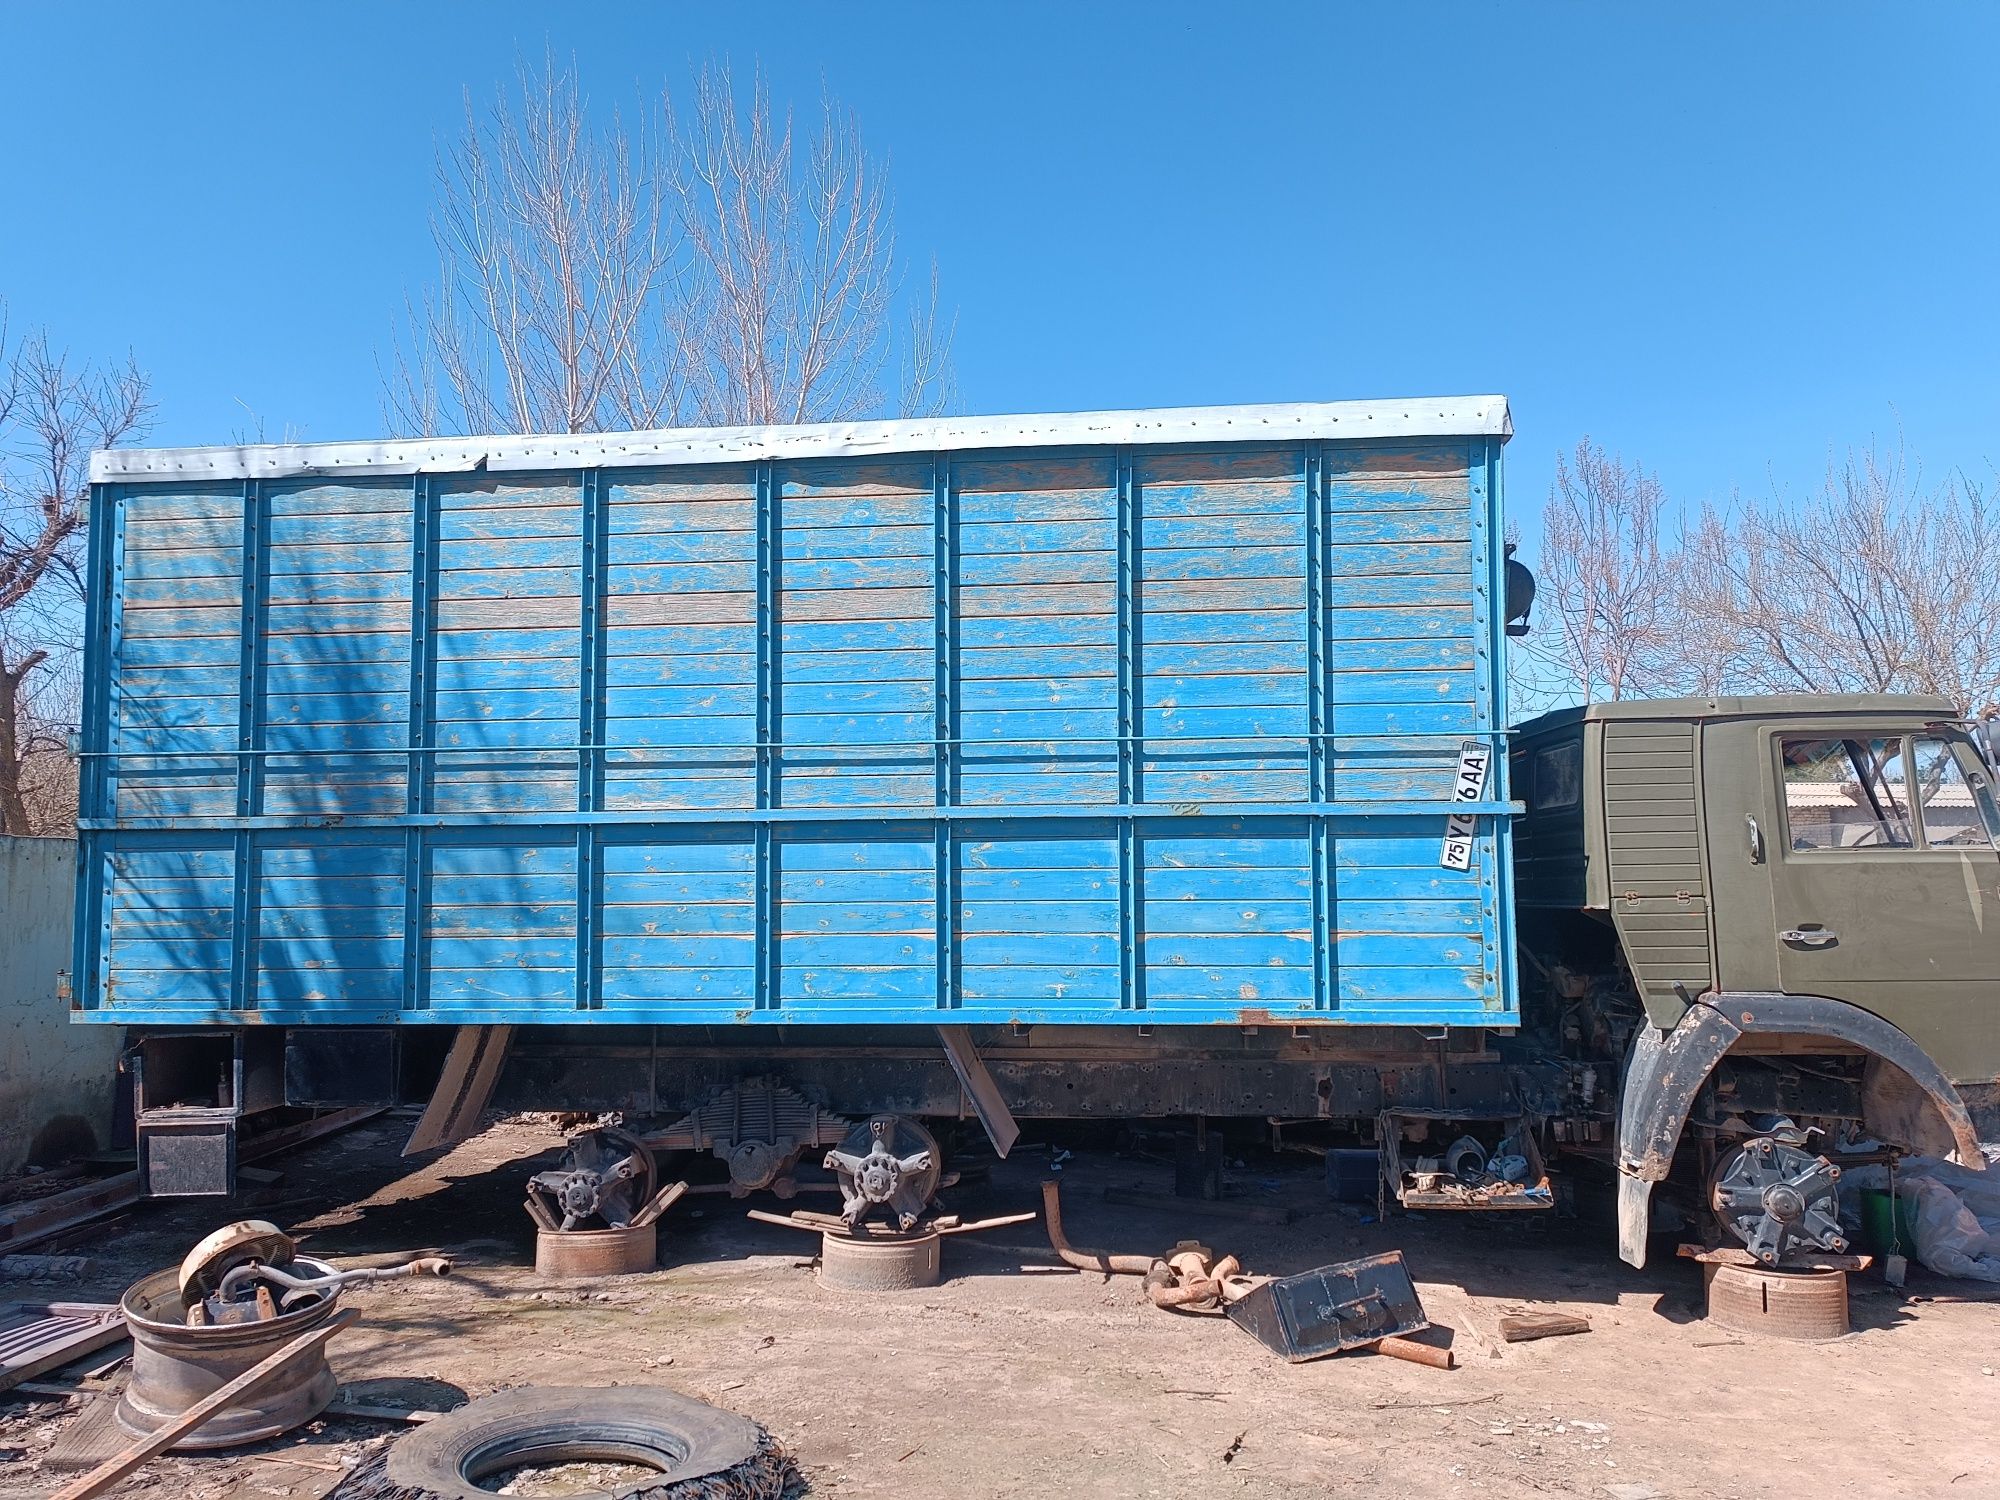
pixel 1020 1377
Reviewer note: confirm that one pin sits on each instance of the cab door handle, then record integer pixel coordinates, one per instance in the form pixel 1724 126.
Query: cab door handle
pixel 1810 937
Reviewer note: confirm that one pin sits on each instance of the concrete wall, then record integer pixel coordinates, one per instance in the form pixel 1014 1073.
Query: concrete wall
pixel 55 1079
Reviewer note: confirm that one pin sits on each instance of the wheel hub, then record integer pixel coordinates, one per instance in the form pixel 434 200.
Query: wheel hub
pixel 889 1163
pixel 1784 1203
pixel 607 1174
pixel 1779 1200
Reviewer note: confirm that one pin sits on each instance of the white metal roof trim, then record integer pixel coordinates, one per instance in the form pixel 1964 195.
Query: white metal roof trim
pixel 1454 416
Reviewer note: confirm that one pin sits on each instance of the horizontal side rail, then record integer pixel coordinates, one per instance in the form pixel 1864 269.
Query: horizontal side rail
pixel 1164 811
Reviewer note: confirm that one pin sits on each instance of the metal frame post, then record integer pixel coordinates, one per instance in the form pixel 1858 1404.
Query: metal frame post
pixel 93 740
pixel 252 651
pixel 1131 856
pixel 1319 769
pixel 589 735
pixel 417 792
pixel 111 726
pixel 114 653
pixel 945 695
pixel 770 728
pixel 1489 560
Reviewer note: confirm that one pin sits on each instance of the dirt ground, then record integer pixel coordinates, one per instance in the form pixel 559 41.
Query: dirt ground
pixel 1020 1377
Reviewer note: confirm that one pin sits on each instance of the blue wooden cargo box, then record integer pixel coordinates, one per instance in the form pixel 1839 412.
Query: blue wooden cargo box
pixel 1116 717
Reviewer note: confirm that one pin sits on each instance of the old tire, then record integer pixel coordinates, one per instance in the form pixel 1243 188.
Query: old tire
pixel 701 1453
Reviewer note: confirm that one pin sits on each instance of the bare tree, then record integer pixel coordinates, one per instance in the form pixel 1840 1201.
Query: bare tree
pixel 52 413
pixel 680 267
pixel 1610 622
pixel 1878 583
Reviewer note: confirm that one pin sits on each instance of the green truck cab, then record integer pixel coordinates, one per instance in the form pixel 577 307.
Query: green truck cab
pixel 1773 923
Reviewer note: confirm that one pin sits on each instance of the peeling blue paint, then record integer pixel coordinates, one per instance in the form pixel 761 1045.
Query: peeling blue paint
pixel 1068 735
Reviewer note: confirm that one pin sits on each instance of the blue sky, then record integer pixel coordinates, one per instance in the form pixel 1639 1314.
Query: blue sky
pixel 1726 241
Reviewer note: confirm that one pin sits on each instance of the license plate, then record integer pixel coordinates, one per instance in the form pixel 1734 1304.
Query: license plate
pixel 1475 759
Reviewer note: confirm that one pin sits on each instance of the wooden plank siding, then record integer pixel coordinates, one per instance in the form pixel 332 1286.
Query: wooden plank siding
pixel 1062 735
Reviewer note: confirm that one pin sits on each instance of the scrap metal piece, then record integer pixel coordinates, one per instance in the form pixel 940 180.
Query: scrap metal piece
pixel 1736 1255
pixel 1086 1260
pixel 606 1174
pixel 252 1279
pixel 37 1337
pixel 233 1246
pixel 1465 1159
pixel 947 1226
pixel 890 1162
pixel 1333 1308
pixel 980 1089
pixel 1520 1328
pixel 1415 1353
pixel 659 1203
pixel 1779 1200
pixel 176 1365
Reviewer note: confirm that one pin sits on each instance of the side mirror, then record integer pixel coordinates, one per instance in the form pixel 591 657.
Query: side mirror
pixel 1986 735
pixel 1520 593
pixel 1756 835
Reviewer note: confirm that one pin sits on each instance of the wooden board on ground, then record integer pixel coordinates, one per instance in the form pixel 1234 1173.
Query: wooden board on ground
pixel 375 1411
pixel 91 1438
pixel 1518 1328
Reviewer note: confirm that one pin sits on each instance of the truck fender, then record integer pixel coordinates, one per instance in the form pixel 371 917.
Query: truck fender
pixel 1666 1070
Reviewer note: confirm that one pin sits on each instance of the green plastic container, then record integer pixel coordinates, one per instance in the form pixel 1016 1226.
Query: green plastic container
pixel 1875 1222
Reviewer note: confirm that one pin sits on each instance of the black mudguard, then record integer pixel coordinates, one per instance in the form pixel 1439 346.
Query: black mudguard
pixel 1667 1069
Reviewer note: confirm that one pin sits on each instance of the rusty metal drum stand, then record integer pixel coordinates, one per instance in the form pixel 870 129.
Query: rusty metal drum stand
pixel 880 1262
pixel 562 1253
pixel 174 1366
pixel 1807 1305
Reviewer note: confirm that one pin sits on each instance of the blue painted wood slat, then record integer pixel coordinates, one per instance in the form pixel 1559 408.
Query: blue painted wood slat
pixel 1063 736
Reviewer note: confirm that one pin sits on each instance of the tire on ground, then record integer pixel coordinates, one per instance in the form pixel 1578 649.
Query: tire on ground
pixel 701 1453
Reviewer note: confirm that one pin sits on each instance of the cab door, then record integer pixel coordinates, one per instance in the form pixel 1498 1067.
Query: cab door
pixel 1885 882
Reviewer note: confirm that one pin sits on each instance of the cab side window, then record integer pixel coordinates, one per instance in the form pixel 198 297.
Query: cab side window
pixel 1559 777
pixel 1845 793
pixel 1956 812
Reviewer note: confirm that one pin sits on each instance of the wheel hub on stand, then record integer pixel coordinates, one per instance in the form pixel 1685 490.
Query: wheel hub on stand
pixel 606 1174
pixel 889 1163
pixel 1778 1199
